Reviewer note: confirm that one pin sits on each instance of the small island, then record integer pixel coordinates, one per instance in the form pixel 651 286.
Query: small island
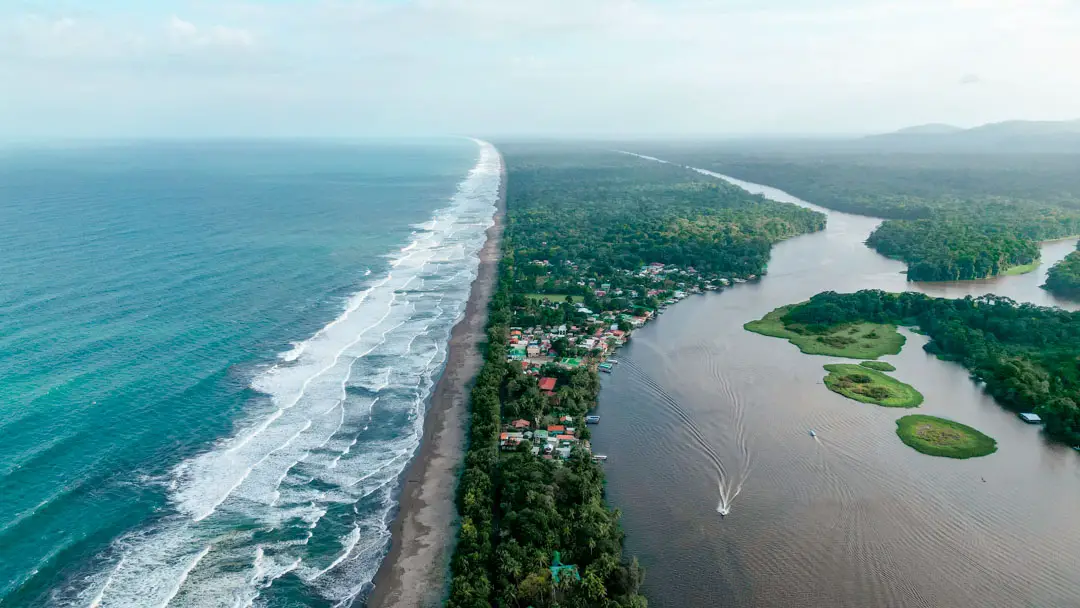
pixel 867 385
pixel 880 366
pixel 940 437
pixel 848 340
pixel 1064 277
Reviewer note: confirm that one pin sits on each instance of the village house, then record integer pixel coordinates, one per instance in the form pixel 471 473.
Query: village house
pixel 510 441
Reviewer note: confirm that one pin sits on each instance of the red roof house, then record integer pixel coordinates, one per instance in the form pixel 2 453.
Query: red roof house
pixel 547 384
pixel 520 424
pixel 556 428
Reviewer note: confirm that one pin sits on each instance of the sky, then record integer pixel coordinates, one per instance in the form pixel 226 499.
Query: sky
pixel 586 68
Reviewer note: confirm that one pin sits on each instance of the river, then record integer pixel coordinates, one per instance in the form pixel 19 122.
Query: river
pixel 701 413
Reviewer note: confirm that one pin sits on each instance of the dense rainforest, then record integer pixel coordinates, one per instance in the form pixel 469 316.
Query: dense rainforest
pixel 578 224
pixel 1028 356
pixel 949 216
pixel 614 211
pixel 1063 279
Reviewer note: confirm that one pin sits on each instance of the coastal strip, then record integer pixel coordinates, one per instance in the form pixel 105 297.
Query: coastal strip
pixel 415 571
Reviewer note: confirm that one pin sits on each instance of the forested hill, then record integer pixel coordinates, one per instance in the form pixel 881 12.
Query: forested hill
pixel 951 216
pixel 1029 356
pixel 1064 278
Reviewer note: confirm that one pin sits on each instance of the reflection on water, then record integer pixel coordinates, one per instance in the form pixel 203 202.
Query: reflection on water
pixel 703 416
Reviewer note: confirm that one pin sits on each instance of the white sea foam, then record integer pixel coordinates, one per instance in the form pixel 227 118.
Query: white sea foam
pixel 305 486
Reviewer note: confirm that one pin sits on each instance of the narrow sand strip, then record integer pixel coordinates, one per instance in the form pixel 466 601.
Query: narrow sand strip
pixel 415 572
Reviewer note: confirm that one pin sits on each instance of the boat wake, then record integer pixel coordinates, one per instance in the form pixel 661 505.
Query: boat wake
pixel 729 483
pixel 305 487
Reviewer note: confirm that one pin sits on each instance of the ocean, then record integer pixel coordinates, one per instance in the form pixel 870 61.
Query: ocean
pixel 215 359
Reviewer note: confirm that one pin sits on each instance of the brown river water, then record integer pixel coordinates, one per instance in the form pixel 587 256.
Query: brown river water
pixel 701 415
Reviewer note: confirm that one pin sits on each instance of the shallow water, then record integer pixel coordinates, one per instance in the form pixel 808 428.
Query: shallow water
pixel 216 358
pixel 702 415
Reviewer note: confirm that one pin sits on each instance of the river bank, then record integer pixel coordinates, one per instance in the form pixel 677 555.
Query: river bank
pixel 702 411
pixel 415 571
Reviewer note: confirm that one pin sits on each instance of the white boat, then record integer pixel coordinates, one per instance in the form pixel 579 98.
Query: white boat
pixel 599 457
pixel 592 419
pixel 812 433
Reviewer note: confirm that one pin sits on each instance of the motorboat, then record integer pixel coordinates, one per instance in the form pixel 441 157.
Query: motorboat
pixel 813 433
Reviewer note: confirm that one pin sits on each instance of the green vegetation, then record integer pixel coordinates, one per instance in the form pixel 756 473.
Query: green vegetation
pixel 950 216
pixel 880 366
pixel 1022 269
pixel 1063 279
pixel 898 186
pixel 504 547
pixel 582 225
pixel 850 340
pixel 941 437
pixel 554 297
pixel 1027 355
pixel 950 249
pixel 869 386
pixel 585 223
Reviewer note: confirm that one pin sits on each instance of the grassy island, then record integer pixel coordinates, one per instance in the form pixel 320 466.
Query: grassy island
pixel 1022 269
pixel 870 386
pixel 941 437
pixel 849 340
pixel 1026 355
pixel 880 366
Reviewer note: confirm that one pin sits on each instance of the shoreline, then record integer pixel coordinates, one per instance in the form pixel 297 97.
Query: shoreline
pixel 415 571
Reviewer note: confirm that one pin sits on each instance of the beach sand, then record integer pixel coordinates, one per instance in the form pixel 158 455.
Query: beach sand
pixel 415 573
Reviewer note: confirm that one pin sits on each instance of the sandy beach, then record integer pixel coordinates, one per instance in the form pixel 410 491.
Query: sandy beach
pixel 414 572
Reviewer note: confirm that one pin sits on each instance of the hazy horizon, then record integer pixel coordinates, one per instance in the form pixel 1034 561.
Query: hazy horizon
pixel 606 69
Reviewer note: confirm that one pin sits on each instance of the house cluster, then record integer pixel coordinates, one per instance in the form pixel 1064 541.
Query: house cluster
pixel 627 300
pixel 685 279
pixel 601 335
pixel 553 441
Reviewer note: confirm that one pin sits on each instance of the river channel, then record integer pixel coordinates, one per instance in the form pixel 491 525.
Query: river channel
pixel 700 414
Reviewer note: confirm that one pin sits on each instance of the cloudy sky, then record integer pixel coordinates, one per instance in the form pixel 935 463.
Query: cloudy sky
pixel 124 68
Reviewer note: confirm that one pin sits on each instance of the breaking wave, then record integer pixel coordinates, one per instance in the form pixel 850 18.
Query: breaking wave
pixel 304 488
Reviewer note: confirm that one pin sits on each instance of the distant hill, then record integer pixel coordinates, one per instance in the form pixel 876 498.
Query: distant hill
pixel 935 128
pixel 1008 136
pixel 1029 127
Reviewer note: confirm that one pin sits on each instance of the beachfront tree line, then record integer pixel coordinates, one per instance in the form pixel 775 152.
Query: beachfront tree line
pixel 1027 355
pixel 517 510
pixel 606 214
pixel 949 217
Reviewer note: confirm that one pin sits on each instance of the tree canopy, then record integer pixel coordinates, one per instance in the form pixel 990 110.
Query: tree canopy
pixel 1063 279
pixel 949 216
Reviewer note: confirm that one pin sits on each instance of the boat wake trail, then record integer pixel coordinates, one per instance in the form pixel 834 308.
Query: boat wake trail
pixel 738 408
pixel 304 489
pixel 729 484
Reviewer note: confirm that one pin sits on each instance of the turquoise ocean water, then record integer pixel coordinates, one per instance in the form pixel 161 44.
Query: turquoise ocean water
pixel 215 358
